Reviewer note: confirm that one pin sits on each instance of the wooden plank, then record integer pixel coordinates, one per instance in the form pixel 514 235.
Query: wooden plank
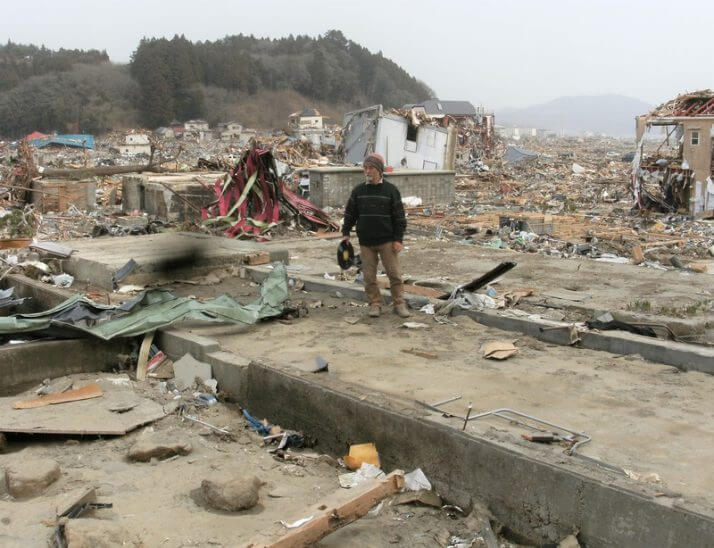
pixel 144 356
pixel 85 393
pixel 329 519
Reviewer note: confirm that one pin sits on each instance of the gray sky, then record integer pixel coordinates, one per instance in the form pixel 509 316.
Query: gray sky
pixel 495 53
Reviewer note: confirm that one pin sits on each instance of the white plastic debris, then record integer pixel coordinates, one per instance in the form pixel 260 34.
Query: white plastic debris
pixel 130 289
pixel 63 280
pixel 427 309
pixel 416 480
pixel 212 385
pixel 295 524
pixel 412 201
pixel 353 479
pixel 578 169
pixel 329 276
pixel 414 325
pixel 612 258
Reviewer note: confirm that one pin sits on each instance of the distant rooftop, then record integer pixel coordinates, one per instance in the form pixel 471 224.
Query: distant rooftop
pixel 437 107
pixel 305 113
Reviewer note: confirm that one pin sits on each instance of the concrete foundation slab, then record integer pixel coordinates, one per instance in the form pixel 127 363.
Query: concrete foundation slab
pixel 183 254
pixel 539 501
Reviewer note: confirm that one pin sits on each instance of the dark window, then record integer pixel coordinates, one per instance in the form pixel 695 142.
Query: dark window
pixel 411 133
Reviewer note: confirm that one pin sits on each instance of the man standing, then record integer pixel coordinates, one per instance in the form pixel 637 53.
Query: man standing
pixel 376 208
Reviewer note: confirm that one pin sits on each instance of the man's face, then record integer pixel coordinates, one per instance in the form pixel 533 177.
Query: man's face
pixel 372 174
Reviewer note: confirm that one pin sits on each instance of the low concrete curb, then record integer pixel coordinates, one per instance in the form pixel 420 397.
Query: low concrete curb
pixel 34 361
pixel 537 500
pixel 687 357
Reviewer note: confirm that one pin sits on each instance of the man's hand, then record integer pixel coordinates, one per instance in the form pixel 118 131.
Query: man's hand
pixel 345 238
pixel 397 246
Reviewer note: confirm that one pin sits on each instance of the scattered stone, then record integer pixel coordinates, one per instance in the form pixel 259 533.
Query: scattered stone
pixel 30 477
pixel 231 494
pixel 676 262
pixel 571 541
pixel 701 268
pixel 160 447
pixel 98 533
pixel 57 385
pixel 711 251
pixel 187 369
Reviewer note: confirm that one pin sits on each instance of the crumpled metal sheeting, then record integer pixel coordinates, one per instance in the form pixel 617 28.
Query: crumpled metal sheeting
pixel 151 310
pixel 250 196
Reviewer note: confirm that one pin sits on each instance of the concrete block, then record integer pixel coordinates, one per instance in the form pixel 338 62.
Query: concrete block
pixel 187 369
pixel 229 370
pixel 178 342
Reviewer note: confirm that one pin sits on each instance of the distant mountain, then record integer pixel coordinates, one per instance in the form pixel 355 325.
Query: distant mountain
pixel 610 114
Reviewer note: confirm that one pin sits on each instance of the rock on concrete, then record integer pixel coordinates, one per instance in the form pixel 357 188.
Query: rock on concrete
pixel 98 533
pixel 232 493
pixel 187 369
pixel 30 477
pixel 159 447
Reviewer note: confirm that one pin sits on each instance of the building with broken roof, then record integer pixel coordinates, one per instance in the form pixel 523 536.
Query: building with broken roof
pixel 405 140
pixel 474 127
pixel 684 180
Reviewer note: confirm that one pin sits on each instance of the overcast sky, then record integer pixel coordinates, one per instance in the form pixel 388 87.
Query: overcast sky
pixel 496 53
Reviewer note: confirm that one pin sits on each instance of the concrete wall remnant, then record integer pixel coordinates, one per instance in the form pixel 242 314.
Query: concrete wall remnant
pixel 331 186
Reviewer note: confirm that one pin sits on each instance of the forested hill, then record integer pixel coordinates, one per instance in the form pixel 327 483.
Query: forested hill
pixel 329 68
pixel 19 62
pixel 228 79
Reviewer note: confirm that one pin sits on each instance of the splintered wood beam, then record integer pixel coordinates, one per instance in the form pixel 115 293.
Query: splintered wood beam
pixel 328 519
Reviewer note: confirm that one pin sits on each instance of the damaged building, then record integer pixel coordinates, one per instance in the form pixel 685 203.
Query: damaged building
pixel 404 139
pixel 678 176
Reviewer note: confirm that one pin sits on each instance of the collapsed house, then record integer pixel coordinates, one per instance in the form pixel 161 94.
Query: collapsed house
pixel 404 139
pixel 683 180
pixel 474 126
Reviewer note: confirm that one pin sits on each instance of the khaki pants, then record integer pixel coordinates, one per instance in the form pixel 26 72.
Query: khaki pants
pixel 390 261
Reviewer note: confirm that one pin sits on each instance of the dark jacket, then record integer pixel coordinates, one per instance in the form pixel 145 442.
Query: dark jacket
pixel 377 211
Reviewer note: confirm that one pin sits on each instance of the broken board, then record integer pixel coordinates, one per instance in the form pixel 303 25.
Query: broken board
pixel 85 417
pixel 85 393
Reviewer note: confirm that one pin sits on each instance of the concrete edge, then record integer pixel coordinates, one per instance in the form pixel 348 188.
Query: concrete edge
pixel 535 499
pixel 32 362
pixel 686 357
pixel 44 296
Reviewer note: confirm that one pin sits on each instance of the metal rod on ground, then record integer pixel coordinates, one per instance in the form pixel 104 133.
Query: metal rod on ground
pixel 498 413
pixel 440 403
pixel 199 421
pixel 468 414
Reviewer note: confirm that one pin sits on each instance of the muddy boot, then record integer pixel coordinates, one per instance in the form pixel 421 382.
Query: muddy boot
pixel 402 311
pixel 374 311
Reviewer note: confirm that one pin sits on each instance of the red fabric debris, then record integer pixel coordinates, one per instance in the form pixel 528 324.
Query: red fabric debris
pixel 261 209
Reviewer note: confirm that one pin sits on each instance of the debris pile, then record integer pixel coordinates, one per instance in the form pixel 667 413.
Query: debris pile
pixel 252 200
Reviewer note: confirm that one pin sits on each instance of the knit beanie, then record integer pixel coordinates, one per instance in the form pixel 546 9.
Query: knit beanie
pixel 376 161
